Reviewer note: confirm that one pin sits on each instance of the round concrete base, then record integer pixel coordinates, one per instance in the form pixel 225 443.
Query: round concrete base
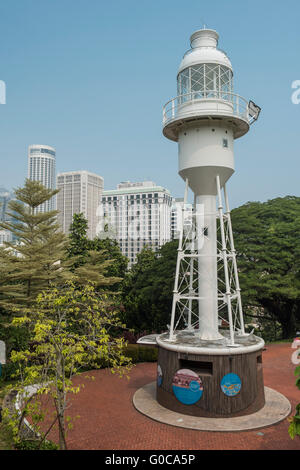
pixel 277 407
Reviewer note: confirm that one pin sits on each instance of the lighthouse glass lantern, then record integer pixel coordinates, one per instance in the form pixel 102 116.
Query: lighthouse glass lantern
pixel 205 76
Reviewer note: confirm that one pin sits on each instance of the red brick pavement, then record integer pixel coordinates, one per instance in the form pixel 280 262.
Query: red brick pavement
pixel 109 421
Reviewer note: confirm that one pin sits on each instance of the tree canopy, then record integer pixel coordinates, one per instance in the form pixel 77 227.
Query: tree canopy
pixel 61 324
pixel 98 256
pixel 34 262
pixel 71 327
pixel 266 237
pixel 147 289
pixel 267 242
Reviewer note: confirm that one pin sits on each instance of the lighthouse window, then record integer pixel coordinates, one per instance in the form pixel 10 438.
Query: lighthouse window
pixel 205 81
pixel 184 84
pixel 211 80
pixel 225 143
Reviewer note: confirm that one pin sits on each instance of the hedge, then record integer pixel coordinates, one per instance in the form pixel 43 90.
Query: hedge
pixel 139 353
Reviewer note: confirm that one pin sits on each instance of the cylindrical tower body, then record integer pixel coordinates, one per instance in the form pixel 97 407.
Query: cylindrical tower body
pixel 207 268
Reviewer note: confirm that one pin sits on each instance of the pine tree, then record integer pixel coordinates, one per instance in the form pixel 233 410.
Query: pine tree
pixel 95 270
pixel 35 262
pixel 79 244
pixel 112 251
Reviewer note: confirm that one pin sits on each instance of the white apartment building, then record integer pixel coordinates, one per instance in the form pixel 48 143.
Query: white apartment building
pixel 79 192
pixel 41 167
pixel 137 215
pixel 180 213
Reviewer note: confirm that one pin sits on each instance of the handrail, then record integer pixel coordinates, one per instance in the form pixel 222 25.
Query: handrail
pixel 175 106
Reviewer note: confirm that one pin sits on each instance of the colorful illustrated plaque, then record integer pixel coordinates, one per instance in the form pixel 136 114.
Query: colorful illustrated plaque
pixel 159 376
pixel 231 384
pixel 187 386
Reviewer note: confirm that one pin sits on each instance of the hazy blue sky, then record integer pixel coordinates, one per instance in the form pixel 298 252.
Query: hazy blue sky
pixel 90 77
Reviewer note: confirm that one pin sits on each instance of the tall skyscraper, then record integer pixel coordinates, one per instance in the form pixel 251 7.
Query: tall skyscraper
pixel 79 192
pixel 137 215
pixel 41 167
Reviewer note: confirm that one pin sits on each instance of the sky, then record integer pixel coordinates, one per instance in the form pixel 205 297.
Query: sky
pixel 90 78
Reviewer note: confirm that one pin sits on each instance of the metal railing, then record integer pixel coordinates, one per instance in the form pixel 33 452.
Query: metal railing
pixel 175 107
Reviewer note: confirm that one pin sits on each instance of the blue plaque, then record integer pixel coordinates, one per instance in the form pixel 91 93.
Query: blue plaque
pixel 187 386
pixel 231 384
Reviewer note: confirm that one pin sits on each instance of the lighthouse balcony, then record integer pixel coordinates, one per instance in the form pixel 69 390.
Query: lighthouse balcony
pixel 199 105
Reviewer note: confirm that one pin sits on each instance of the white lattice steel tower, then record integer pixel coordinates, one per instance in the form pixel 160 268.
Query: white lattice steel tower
pixel 205 119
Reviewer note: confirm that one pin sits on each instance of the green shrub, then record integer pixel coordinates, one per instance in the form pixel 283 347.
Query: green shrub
pixel 15 338
pixel 294 427
pixel 9 371
pixel 148 354
pixel 27 444
pixel 139 353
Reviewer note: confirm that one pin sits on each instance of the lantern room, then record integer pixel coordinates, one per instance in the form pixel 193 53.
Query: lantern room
pixel 205 71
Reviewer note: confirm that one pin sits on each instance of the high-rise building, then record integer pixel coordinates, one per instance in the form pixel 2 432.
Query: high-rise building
pixel 180 214
pixel 137 215
pixel 5 197
pixel 79 192
pixel 41 167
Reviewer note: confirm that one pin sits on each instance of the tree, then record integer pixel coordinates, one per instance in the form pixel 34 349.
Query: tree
pixel 267 242
pixel 35 261
pixel 147 289
pixel 111 250
pixel 96 269
pixel 266 239
pixel 71 327
pixel 98 258
pixel 79 244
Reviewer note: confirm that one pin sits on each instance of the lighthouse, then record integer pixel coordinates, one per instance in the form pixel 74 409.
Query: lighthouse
pixel 205 119
pixel 208 365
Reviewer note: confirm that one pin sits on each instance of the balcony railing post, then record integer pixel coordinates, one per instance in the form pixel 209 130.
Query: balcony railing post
pixel 173 109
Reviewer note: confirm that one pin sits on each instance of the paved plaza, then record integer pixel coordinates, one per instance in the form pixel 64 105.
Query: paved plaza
pixel 109 421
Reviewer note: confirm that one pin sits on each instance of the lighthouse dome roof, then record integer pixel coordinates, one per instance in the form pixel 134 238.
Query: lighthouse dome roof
pixel 204 50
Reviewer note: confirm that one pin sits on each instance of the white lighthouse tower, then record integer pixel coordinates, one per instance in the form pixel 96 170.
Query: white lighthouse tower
pixel 205 119
pixel 207 364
